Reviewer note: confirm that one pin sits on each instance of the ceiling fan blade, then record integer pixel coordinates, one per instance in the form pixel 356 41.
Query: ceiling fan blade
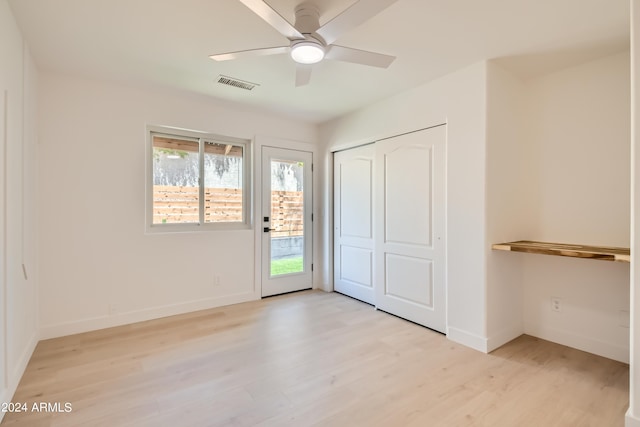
pixel 251 53
pixel 273 18
pixel 358 13
pixel 364 57
pixel 303 74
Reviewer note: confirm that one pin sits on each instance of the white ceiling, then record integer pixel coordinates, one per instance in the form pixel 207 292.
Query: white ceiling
pixel 167 42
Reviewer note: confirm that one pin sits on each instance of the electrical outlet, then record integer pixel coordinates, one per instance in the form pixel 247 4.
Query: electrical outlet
pixel 556 304
pixel 216 280
pixel 114 309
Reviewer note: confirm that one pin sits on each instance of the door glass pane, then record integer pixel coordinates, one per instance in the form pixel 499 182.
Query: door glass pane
pixel 287 217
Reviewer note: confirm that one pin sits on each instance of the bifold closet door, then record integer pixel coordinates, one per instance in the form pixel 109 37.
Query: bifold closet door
pixel 410 227
pixel 353 222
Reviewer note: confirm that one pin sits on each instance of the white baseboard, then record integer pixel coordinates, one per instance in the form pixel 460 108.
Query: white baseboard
pixel 468 339
pixel 109 321
pixel 15 375
pixel 630 420
pixel 21 366
pixel 570 339
pixel 503 337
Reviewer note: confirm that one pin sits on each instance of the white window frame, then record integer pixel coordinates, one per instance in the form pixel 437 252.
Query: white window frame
pixel 201 138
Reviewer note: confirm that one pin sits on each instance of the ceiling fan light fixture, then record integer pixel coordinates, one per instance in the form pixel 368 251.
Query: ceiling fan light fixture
pixel 307 52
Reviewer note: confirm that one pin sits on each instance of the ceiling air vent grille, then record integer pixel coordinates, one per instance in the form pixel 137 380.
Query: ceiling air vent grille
pixel 230 81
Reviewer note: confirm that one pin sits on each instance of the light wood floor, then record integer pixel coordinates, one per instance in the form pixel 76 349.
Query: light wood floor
pixel 312 358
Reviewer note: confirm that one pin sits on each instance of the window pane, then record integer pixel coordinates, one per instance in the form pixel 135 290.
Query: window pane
pixel 223 177
pixel 175 180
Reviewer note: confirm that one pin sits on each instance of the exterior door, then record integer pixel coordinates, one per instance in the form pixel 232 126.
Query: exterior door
pixel 353 222
pixel 410 227
pixel 286 220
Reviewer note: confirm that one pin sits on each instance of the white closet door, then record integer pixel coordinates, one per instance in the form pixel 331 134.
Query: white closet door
pixel 353 222
pixel 410 227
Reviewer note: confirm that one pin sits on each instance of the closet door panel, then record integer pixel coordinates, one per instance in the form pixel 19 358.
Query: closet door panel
pixel 353 222
pixel 410 253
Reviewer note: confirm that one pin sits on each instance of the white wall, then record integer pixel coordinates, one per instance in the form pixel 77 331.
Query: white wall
pixel 18 303
pixel 578 120
pixel 510 203
pixel 558 170
pixel 577 124
pixel 459 100
pixel 633 414
pixel 94 251
pixel 554 167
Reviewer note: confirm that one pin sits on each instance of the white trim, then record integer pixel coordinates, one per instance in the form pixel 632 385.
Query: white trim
pixel 16 375
pixel 271 141
pixel 580 342
pixel 102 322
pixel 201 192
pixel 21 365
pixel 340 146
pixel 256 166
pixel 634 277
pixel 350 145
pixel 3 236
pixel 630 420
pixel 327 282
pixel 468 339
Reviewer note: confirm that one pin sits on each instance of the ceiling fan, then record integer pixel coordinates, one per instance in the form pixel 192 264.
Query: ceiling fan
pixel 310 43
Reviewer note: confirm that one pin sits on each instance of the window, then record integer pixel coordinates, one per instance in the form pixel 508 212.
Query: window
pixel 197 181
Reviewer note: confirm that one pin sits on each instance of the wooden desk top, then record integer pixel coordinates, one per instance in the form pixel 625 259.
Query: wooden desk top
pixel 569 250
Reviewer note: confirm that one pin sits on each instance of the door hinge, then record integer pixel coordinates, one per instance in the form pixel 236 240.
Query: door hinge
pixel 311 266
pixel 311 167
pixel 312 217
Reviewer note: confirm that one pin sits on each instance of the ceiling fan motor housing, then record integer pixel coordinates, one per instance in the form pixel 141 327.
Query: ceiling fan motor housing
pixel 307 19
pixel 312 48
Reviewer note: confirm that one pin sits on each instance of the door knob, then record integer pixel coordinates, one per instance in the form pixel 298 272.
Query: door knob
pixel 267 229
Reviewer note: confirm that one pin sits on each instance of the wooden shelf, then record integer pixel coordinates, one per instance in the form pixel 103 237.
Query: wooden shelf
pixel 562 249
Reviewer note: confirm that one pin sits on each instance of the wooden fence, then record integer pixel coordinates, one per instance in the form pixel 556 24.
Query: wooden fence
pixel 287 213
pixel 172 204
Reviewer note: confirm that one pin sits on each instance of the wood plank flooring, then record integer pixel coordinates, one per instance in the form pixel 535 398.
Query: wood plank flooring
pixel 312 359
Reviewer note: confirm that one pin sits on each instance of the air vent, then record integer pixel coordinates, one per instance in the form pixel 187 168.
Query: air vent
pixel 230 81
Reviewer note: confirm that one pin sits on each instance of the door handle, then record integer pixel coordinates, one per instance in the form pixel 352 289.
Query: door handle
pixel 267 229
